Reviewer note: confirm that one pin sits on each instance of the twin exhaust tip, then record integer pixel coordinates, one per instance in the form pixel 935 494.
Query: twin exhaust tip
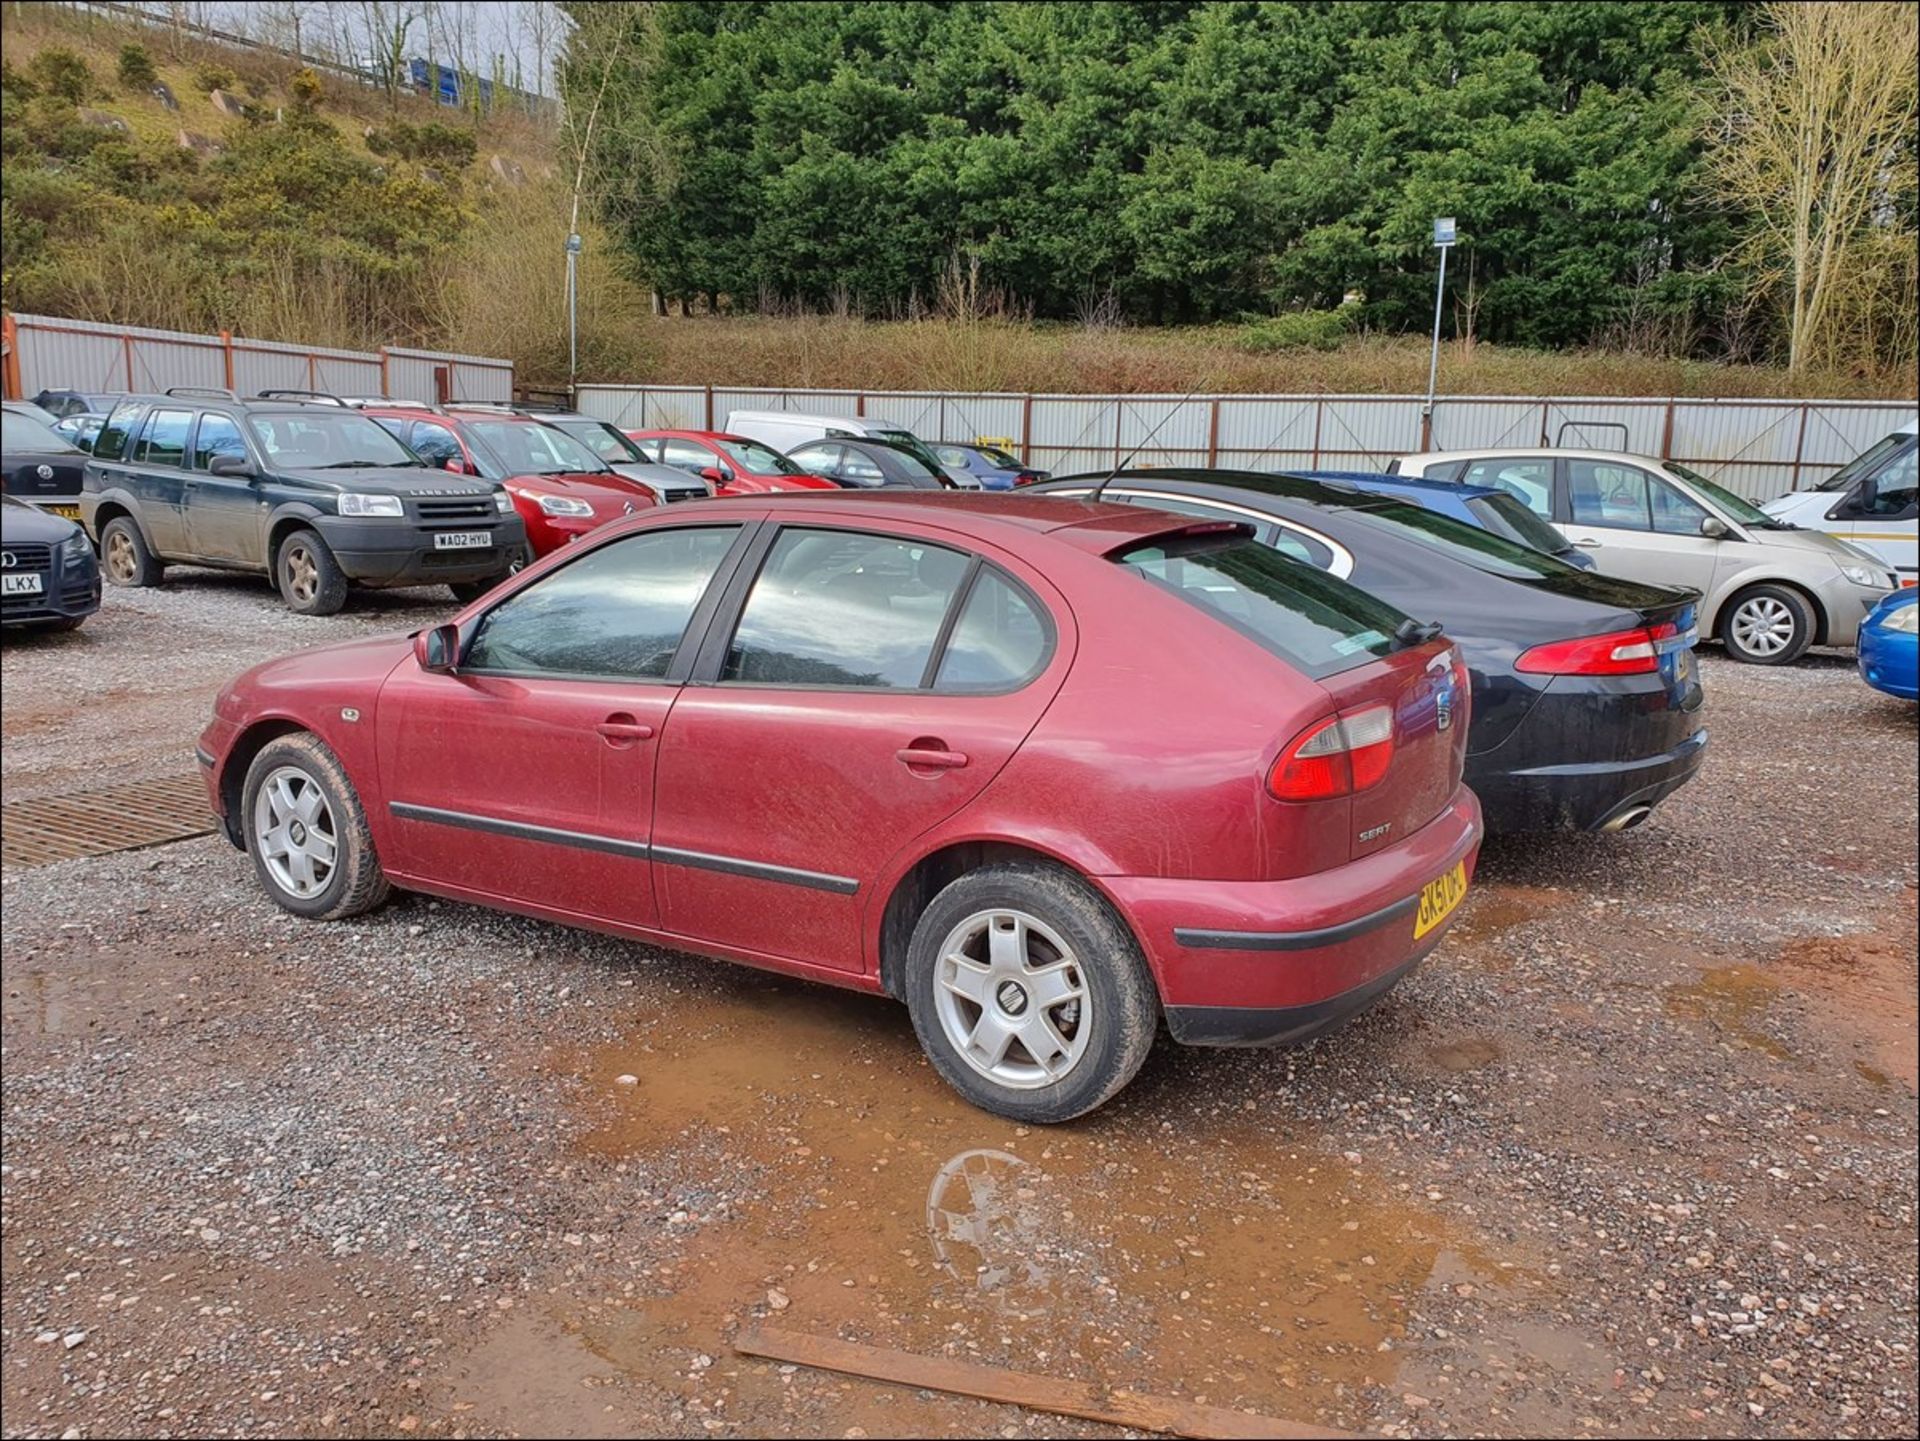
pixel 1626 820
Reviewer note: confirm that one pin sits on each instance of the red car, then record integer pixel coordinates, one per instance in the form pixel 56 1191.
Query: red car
pixel 561 489
pixel 1045 770
pixel 734 464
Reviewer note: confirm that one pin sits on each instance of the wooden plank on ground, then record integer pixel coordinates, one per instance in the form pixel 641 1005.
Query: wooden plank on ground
pixel 1085 1399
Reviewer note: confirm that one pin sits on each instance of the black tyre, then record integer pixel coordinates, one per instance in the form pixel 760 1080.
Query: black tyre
pixel 310 579
pixel 468 591
pixel 124 557
pixel 1028 993
pixel 1767 625
pixel 307 834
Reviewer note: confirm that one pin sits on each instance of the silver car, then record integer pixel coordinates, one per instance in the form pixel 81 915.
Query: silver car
pixel 1770 589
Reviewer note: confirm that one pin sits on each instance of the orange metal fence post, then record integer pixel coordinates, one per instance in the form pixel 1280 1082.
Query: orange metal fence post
pixel 10 341
pixel 226 354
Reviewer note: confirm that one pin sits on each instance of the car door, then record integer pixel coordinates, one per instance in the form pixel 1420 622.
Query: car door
pixel 527 773
pixel 223 512
pixel 1882 511
pixel 1637 526
pixel 860 686
pixel 158 479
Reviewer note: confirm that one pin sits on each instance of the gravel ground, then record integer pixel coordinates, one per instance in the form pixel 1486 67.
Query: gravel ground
pixel 1634 1155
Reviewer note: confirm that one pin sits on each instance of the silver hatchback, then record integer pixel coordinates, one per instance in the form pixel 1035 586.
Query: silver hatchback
pixel 1769 589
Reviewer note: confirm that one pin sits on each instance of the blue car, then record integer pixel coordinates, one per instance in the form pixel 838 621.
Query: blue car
pixel 1478 505
pixel 1890 647
pixel 990 466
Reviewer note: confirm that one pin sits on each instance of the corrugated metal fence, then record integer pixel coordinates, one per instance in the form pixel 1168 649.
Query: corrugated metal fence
pixel 1759 448
pixel 48 353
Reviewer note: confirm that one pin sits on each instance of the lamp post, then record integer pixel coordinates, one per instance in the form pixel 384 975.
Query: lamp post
pixel 573 308
pixel 1443 237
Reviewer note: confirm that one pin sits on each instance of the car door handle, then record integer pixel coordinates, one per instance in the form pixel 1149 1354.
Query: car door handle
pixel 1586 542
pixel 622 729
pixel 918 758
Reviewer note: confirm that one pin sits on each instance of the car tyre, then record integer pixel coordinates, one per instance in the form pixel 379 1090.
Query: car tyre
pixel 1767 625
pixel 310 579
pixel 1026 950
pixel 307 833
pixel 124 557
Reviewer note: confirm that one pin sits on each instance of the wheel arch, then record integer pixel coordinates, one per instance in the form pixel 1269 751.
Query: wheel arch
pixel 284 522
pixel 239 760
pixel 939 868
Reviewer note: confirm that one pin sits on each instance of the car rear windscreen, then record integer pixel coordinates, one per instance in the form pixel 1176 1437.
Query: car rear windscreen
pixel 1505 515
pixel 1317 623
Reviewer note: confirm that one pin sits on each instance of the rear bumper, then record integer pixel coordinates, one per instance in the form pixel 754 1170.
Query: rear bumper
pixel 1266 962
pixel 1580 796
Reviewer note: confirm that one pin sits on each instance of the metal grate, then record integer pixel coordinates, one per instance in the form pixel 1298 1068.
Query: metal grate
pixel 94 822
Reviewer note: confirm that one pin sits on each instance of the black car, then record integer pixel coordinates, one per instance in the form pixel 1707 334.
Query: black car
pixel 48 575
pixel 1586 697
pixel 867 464
pixel 309 492
pixel 40 467
pixel 62 403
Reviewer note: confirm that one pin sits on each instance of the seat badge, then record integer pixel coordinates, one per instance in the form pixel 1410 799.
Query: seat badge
pixel 349 714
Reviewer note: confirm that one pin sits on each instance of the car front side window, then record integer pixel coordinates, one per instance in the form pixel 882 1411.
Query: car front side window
pixel 218 435
pixel 1673 512
pixel 1603 494
pixel 619 612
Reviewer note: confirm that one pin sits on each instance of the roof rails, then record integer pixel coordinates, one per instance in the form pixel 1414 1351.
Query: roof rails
pixel 321 396
pixel 385 402
pixel 218 392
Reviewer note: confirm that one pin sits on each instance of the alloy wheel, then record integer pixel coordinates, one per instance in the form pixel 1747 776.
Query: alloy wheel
pixel 294 830
pixel 1012 999
pixel 1763 626
pixel 120 560
pixel 303 576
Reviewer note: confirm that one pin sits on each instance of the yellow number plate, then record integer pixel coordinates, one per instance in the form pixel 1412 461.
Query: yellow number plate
pixel 1438 899
pixel 70 512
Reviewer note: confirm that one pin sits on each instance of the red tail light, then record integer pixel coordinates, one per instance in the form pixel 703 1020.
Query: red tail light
pixel 1025 479
pixel 1337 757
pixel 1621 652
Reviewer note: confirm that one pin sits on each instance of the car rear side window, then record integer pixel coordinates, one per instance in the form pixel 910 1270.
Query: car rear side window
pixel 164 441
pixel 113 435
pixel 844 608
pixel 1000 641
pixel 1315 622
pixel 619 612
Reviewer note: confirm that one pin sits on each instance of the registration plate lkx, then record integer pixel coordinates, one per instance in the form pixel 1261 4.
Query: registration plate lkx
pixel 1439 898
pixel 23 584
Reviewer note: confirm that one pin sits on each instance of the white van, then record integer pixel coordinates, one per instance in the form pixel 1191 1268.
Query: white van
pixel 785 430
pixel 1872 501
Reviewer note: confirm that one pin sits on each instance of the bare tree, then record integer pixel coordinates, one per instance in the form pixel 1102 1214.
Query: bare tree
pixel 389 28
pixel 1812 136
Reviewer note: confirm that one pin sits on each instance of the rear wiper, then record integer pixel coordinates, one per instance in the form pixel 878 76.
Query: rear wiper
pixel 1410 633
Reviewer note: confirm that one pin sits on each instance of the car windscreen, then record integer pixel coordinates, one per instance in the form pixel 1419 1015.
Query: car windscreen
pixel 603 440
pixel 1481 549
pixel 755 458
pixel 24 433
pixel 1867 461
pixel 1505 515
pixel 530 449
pixel 994 455
pixel 1317 623
pixel 322 440
pixel 1744 511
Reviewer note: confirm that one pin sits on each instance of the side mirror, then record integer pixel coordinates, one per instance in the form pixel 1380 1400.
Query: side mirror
pixel 454 465
pixel 1714 528
pixel 437 649
pixel 237 465
pixel 716 474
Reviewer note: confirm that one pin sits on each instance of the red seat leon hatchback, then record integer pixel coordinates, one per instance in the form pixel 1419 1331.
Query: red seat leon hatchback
pixel 1047 772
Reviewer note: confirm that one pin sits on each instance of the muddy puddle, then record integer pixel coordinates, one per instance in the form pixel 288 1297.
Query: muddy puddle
pixel 1222 1255
pixel 1732 1002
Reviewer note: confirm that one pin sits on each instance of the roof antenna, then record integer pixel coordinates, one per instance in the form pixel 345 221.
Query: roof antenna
pixel 1120 465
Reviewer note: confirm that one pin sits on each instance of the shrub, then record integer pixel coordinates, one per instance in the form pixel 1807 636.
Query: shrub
pixel 14 85
pixel 304 89
pixel 60 72
pixel 431 144
pixel 1298 330
pixel 136 67
pixel 209 78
